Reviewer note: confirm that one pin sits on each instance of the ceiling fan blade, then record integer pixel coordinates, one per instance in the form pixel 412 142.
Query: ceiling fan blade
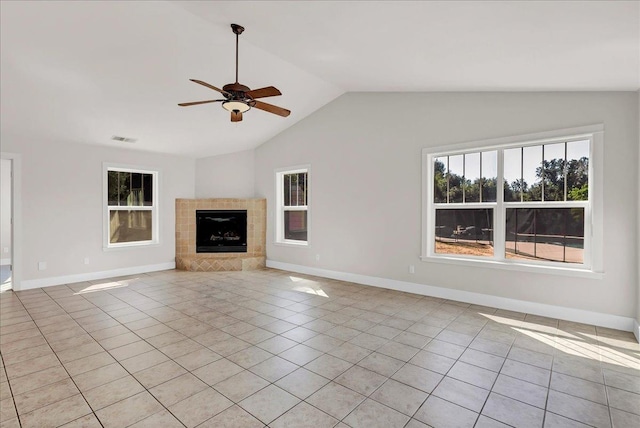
pixel 268 91
pixel 236 116
pixel 200 82
pixel 198 102
pixel 271 108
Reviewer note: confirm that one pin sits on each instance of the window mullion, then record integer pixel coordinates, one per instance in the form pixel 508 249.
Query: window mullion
pixel 464 178
pixel 448 179
pixel 480 183
pixel 131 208
pixel 499 214
pixel 565 170
pixel 542 169
pixel 521 175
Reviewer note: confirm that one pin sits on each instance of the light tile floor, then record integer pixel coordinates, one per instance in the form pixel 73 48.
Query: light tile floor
pixel 249 349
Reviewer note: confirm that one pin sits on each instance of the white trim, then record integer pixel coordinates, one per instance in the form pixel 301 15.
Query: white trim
pixel 636 330
pixel 16 215
pixel 533 139
pixel 130 245
pixel 293 169
pixel 90 276
pixel 532 266
pixel 6 261
pixel 594 247
pixel 292 243
pixel 559 312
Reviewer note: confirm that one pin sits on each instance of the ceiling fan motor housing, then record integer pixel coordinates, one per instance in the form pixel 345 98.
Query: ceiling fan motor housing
pixel 237 90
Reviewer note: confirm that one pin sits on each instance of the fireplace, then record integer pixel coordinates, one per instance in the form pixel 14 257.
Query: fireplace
pixel 221 231
pixel 252 255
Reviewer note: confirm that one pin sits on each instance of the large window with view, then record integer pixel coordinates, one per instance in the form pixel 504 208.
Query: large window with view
pixel 292 193
pixel 526 202
pixel 131 216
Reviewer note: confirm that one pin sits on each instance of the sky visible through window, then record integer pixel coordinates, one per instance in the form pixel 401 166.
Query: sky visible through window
pixel 532 159
pixel 472 166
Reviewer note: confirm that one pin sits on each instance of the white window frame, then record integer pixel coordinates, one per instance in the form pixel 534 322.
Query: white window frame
pixel 155 226
pixel 280 208
pixel 593 254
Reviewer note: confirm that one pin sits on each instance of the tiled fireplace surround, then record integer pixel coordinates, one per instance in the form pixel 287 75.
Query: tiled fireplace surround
pixel 186 256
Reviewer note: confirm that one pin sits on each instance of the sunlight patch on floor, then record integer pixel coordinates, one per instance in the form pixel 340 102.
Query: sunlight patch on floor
pixel 502 320
pixel 307 288
pixel 613 356
pixel 578 348
pixel 102 286
pixel 310 290
pixel 576 342
pixel 296 279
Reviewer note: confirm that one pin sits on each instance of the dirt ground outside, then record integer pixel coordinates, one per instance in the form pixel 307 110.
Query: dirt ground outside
pixel 467 248
pixel 525 250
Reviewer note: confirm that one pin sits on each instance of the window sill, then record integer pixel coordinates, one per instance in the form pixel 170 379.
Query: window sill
pixel 519 267
pixel 131 246
pixel 292 244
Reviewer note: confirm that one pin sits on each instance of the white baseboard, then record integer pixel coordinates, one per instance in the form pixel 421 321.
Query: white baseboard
pixel 636 330
pixel 559 312
pixel 6 261
pixel 90 276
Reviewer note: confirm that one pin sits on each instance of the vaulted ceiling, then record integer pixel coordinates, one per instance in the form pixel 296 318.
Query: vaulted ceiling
pixel 86 71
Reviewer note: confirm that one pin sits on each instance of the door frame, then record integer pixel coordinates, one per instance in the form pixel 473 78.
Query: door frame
pixel 16 215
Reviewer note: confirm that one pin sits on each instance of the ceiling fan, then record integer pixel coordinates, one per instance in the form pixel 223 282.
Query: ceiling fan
pixel 239 98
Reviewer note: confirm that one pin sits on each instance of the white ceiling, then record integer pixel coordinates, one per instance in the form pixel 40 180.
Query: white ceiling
pixel 85 71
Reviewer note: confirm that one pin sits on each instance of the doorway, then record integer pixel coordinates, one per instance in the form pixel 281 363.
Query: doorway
pixel 6 225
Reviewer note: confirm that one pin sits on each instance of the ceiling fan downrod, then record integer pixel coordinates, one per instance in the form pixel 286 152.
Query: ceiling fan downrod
pixel 237 30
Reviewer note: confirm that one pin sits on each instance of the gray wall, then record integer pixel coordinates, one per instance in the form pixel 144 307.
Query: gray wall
pixel 62 206
pixel 226 176
pixel 365 156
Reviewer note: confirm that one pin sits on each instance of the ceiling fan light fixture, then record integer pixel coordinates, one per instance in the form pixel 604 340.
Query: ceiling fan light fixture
pixel 236 105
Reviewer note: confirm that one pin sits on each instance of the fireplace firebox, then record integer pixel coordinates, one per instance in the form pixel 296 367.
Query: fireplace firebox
pixel 221 231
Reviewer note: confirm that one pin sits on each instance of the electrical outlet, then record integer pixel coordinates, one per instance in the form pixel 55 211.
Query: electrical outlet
pixel 42 265
pixel 317 257
pixel 412 269
pixel 5 250
pixel 86 260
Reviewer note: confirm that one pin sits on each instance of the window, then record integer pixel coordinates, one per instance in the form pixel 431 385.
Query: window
pixel 292 202
pixel 526 201
pixel 131 215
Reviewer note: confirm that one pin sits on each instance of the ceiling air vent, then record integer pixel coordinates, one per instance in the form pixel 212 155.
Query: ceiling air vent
pixel 124 139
